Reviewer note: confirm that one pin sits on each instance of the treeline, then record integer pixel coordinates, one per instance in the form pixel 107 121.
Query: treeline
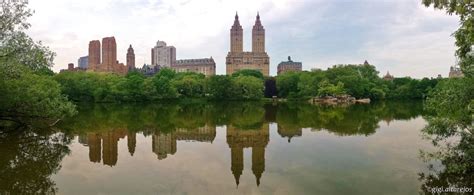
pixel 167 84
pixel 360 81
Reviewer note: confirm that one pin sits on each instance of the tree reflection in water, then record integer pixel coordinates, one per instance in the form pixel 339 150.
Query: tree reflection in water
pixel 29 158
pixel 452 135
pixel 100 126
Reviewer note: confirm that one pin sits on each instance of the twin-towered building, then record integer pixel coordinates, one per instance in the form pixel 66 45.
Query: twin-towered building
pixel 257 59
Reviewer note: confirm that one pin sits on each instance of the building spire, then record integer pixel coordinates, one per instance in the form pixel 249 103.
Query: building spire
pixel 257 21
pixel 236 21
pixel 237 178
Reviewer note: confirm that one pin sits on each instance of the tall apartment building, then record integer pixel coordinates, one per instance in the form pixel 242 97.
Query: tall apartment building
pixel 163 55
pixel 257 59
pixel 109 57
pixel 94 54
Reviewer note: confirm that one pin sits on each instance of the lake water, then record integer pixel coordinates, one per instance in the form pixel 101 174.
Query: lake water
pixel 222 148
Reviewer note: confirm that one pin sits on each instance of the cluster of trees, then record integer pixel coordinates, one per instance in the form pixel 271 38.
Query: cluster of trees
pixel 451 104
pixel 360 81
pixel 167 84
pixel 28 92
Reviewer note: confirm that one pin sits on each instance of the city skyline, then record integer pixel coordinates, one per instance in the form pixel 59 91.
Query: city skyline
pixel 399 39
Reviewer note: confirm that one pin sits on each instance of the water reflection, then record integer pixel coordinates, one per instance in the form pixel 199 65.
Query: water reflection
pixel 29 158
pixel 255 139
pixel 101 127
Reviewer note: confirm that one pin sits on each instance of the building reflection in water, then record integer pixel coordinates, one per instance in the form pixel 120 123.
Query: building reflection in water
pixel 247 127
pixel 131 142
pixel 240 139
pixel 289 133
pixel 165 143
pixel 104 146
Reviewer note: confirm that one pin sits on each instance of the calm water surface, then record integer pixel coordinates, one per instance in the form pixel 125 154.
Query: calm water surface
pixel 216 148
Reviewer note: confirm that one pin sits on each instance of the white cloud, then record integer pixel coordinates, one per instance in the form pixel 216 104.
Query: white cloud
pixel 418 44
pixel 201 29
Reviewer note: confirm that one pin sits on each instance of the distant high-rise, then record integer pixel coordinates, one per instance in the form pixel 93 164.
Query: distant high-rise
pixel 130 58
pixel 109 57
pixel 109 52
pixel 82 62
pixel 94 54
pixel 163 55
pixel 257 59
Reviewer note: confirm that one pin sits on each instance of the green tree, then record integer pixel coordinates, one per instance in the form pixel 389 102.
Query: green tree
pixel 162 83
pixel 189 85
pixel 28 98
pixel 134 86
pixel 27 91
pixel 326 88
pixel 357 79
pixel 248 72
pixel 220 87
pixel 287 84
pixel 248 87
pixel 308 84
pixel 451 105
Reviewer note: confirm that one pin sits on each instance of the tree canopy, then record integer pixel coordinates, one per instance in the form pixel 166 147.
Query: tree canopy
pixel 27 91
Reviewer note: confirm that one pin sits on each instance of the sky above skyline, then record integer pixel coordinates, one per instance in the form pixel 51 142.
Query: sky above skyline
pixel 400 36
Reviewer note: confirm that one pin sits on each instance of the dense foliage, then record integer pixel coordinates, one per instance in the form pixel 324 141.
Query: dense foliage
pixel 104 87
pixel 28 92
pixel 451 102
pixel 450 128
pixel 361 81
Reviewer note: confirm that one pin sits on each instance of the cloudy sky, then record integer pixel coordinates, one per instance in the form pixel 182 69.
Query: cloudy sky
pixel 400 36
